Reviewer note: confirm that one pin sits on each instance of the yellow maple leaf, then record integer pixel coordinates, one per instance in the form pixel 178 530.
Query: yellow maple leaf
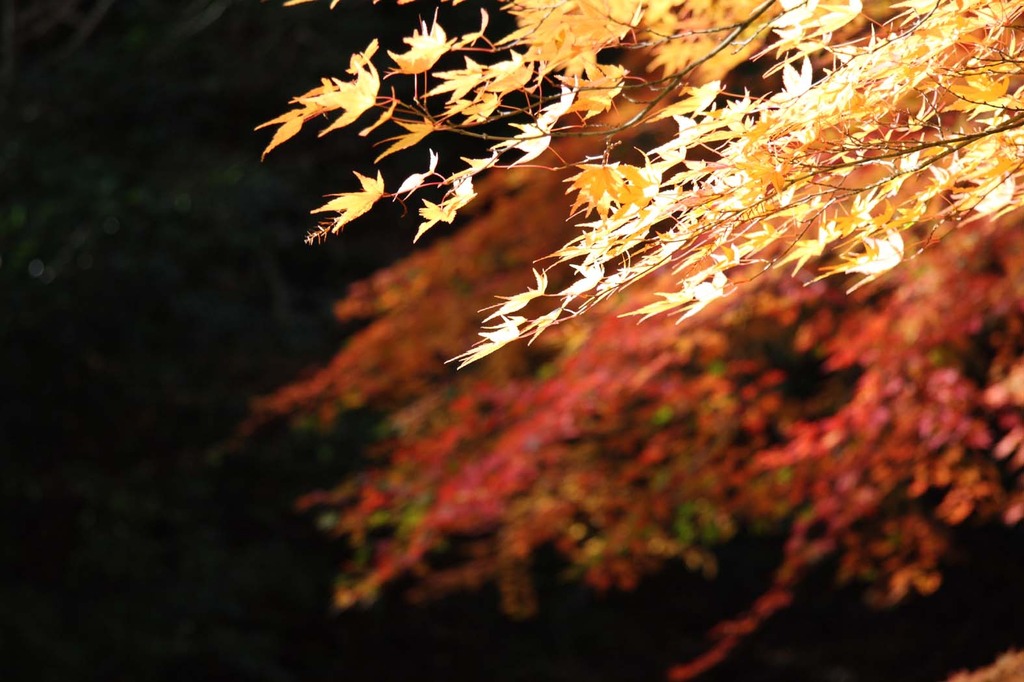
pixel 500 335
pixel 425 48
pixel 353 98
pixel 351 205
pixel 591 185
pixel 603 187
pixel 290 125
pixel 975 91
pixel 460 195
pixel 356 97
pixel 696 99
pixel 417 131
pixel 602 85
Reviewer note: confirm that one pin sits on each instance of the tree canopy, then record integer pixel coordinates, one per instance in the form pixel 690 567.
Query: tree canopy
pixel 882 125
pixel 762 164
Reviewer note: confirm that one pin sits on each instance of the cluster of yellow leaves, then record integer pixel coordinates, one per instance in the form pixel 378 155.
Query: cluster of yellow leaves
pixel 891 127
pixel 353 98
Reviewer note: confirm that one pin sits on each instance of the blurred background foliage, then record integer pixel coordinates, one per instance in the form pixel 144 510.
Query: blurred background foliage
pixel 154 279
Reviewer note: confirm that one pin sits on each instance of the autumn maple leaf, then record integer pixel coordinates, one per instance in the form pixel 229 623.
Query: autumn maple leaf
pixel 351 205
pixel 425 48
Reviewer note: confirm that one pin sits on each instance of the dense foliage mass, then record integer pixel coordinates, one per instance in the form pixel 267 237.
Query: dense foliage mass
pixel 863 416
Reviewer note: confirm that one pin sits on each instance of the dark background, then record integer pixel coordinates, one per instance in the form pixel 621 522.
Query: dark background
pixel 154 279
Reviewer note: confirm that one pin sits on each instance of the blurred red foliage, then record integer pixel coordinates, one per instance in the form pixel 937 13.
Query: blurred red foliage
pixel 862 426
